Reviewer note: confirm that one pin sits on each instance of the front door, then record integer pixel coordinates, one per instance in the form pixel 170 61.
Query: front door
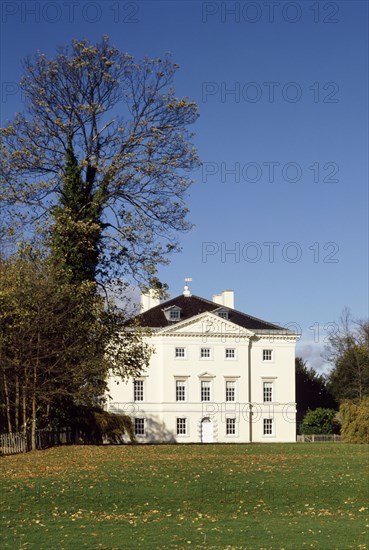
pixel 206 431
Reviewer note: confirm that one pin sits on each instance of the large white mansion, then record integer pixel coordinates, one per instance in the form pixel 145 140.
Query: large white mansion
pixel 217 375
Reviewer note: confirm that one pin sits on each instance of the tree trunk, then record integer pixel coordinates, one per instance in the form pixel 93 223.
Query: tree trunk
pixel 16 404
pixel 7 404
pixel 34 391
pixel 33 417
pixel 24 401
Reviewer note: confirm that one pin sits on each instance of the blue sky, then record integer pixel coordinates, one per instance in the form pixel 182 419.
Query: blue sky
pixel 283 136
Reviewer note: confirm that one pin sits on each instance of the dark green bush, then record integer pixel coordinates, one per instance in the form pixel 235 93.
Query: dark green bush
pixel 320 421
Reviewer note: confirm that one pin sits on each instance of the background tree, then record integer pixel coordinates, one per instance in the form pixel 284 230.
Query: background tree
pixel 311 390
pixel 103 151
pixel 348 351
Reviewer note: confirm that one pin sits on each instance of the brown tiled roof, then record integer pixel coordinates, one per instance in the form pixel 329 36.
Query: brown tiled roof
pixel 194 305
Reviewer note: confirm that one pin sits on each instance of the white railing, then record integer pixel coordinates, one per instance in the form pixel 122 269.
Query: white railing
pixel 315 438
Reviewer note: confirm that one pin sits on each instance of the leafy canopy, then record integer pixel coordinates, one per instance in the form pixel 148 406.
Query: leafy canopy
pixel 116 126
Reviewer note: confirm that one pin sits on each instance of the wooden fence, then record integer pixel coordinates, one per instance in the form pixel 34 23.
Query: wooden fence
pixel 315 438
pixel 15 443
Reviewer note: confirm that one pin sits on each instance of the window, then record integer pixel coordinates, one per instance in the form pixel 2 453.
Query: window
pixel 180 353
pixel 230 353
pixel 181 426
pixel 230 390
pixel 205 390
pixel 268 392
pixel 268 426
pixel 180 390
pixel 172 313
pixel 230 426
pixel 223 314
pixel 139 426
pixel 267 354
pixel 205 353
pixel 138 390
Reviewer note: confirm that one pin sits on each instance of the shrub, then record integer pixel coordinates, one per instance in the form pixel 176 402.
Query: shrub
pixel 320 421
pixel 355 421
pixel 94 425
pixel 112 427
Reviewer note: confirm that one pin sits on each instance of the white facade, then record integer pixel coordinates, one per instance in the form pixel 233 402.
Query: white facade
pixel 211 379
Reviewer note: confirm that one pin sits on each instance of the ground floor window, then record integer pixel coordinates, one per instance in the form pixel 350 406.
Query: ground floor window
pixel 181 426
pixel 268 426
pixel 231 426
pixel 139 426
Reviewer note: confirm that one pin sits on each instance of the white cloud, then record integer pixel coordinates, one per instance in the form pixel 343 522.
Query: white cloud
pixel 314 353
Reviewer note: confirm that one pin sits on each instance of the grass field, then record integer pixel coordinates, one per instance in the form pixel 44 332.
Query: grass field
pixel 272 496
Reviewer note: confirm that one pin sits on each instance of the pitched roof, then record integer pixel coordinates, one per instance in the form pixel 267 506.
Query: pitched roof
pixel 194 305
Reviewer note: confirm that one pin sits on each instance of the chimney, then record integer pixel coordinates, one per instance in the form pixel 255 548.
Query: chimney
pixel 149 299
pixel 226 298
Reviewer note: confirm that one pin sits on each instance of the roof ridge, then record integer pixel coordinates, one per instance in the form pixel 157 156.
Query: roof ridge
pixel 240 312
pixel 256 318
pixel 210 302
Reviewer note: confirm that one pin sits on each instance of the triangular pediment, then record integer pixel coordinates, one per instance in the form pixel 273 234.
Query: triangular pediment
pixel 206 324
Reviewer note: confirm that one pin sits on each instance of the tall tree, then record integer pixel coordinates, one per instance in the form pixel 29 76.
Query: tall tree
pixel 103 149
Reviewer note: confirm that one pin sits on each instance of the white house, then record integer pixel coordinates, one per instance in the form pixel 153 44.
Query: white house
pixel 217 375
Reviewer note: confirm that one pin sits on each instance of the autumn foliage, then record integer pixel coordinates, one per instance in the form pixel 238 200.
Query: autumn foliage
pixel 355 421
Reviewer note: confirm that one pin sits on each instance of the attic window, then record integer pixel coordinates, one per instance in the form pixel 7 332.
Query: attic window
pixel 172 313
pixel 223 314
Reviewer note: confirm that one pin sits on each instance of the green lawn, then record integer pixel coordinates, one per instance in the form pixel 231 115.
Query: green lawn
pixel 270 496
